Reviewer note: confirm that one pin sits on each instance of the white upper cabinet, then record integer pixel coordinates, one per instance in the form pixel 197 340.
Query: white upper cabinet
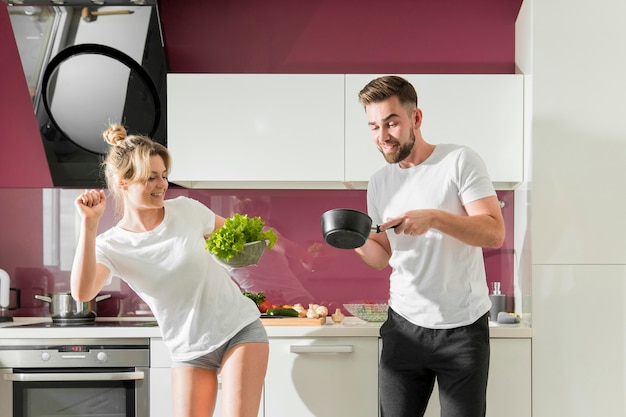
pixel 483 111
pixel 256 130
pixel 308 131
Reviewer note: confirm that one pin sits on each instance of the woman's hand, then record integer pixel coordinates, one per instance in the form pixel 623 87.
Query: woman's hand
pixel 91 204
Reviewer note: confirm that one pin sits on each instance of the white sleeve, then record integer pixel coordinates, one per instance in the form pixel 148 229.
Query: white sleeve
pixel 475 182
pixel 203 214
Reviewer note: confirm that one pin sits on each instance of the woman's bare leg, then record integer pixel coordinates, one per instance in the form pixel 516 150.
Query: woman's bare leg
pixel 243 374
pixel 194 391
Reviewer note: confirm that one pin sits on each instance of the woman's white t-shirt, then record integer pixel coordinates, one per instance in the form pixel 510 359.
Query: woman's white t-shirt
pixel 437 281
pixel 169 268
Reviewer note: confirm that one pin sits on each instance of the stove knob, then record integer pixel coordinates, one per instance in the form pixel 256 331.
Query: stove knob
pixel 45 356
pixel 102 357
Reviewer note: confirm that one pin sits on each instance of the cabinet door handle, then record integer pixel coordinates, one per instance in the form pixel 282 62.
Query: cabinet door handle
pixel 321 348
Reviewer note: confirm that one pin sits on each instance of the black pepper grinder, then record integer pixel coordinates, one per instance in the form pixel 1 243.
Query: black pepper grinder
pixel 497 302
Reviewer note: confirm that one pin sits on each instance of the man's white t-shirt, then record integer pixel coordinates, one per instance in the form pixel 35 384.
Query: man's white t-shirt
pixel 169 268
pixel 437 281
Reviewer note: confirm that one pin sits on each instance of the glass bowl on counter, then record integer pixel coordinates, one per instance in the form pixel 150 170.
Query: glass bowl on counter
pixel 368 311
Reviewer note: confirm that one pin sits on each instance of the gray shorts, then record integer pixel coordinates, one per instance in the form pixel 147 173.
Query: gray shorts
pixel 253 332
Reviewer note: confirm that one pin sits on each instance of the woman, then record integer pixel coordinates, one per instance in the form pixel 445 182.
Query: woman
pixel 158 248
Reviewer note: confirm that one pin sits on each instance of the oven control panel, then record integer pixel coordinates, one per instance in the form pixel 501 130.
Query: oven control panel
pixel 60 353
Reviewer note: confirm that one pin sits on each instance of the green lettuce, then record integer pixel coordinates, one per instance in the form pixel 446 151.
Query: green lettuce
pixel 228 240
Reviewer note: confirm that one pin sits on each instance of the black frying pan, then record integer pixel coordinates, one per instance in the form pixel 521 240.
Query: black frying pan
pixel 346 228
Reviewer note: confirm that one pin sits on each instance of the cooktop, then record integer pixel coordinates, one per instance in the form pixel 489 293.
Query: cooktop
pixel 104 323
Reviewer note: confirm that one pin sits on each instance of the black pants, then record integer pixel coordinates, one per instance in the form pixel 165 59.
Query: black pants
pixel 412 357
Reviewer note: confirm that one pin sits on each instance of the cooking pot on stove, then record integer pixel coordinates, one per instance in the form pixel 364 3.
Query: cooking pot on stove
pixel 64 306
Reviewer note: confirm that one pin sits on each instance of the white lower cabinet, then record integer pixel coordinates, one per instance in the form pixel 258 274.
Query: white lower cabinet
pixel 509 386
pixel 161 392
pixel 160 380
pixel 338 376
pixel 325 376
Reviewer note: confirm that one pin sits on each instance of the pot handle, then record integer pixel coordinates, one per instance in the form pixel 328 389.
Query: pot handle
pixel 43 298
pixel 102 297
pixel 376 229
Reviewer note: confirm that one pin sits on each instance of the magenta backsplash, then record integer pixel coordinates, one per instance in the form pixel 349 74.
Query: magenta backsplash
pixel 301 268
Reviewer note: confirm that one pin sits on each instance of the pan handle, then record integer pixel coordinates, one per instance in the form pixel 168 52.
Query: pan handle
pixel 102 297
pixel 43 298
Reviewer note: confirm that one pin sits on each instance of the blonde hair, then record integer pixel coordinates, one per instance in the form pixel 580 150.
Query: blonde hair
pixel 128 159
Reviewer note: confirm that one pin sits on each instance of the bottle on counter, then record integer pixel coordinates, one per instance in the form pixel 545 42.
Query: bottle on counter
pixel 497 302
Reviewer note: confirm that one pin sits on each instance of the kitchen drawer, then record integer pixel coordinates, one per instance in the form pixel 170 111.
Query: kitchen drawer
pixel 329 376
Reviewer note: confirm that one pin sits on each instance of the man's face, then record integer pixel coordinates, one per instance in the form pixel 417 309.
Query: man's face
pixel 392 128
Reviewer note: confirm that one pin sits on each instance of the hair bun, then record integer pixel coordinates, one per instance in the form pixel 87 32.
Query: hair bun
pixel 114 134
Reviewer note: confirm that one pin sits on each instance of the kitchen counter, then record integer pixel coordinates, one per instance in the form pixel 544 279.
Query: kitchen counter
pixel 146 327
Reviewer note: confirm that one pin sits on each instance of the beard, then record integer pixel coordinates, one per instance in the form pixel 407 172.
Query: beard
pixel 401 152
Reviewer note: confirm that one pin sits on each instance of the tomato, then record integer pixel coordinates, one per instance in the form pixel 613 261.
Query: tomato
pixel 265 305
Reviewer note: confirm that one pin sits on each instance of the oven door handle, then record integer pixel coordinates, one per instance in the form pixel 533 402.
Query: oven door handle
pixel 93 376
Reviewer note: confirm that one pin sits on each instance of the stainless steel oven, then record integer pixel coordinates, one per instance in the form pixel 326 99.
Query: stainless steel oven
pixel 74 377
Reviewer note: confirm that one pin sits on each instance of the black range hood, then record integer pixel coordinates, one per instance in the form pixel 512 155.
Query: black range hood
pixel 88 66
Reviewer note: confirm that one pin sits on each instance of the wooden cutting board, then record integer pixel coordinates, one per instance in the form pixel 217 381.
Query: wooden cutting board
pixel 292 321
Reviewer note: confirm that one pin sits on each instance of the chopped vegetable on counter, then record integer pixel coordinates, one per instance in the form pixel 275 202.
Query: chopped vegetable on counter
pixel 285 312
pixel 337 316
pixel 258 298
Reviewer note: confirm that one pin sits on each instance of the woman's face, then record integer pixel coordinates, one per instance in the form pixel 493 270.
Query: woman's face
pixel 151 193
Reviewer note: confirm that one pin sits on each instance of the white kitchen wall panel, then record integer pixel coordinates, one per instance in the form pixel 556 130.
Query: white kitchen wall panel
pixel 577 204
pixel 579 340
pixel 483 111
pixel 579 137
pixel 256 130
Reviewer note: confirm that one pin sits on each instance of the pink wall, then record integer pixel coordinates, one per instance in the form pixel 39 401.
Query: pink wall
pixel 267 36
pixel 348 36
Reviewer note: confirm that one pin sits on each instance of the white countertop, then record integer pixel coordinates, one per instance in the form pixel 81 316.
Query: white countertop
pixel 351 326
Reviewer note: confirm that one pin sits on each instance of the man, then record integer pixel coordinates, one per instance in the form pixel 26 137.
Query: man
pixel 444 208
